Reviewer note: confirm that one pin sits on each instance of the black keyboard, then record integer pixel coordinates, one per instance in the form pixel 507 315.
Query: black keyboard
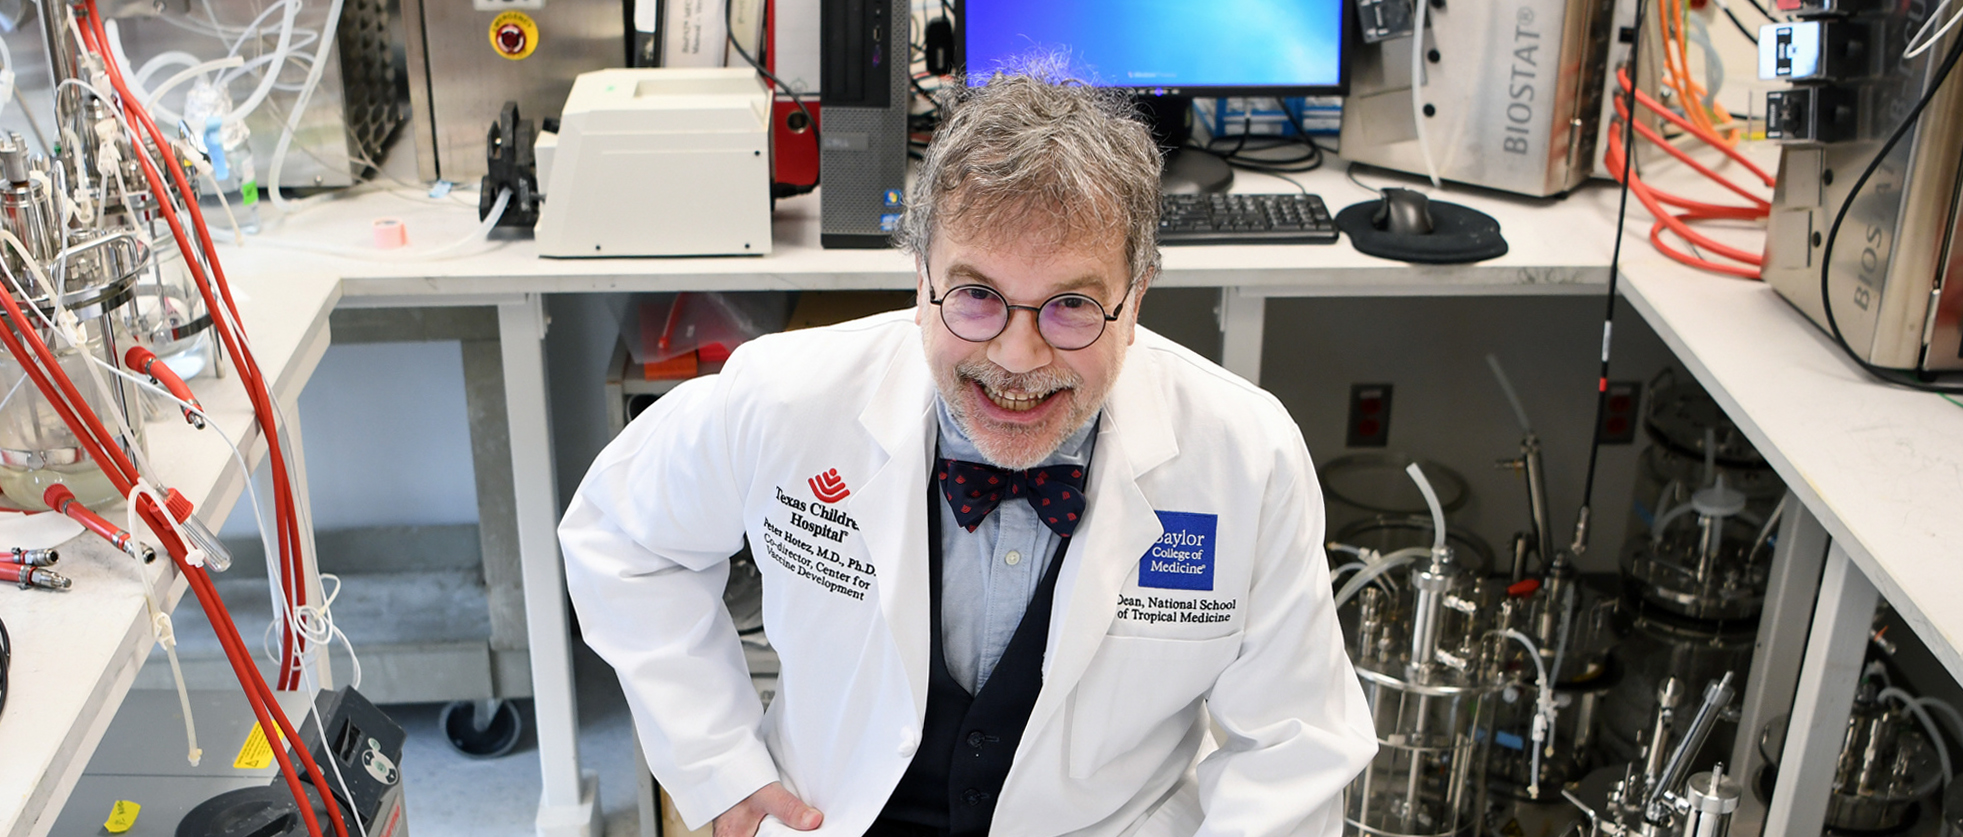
pixel 1245 219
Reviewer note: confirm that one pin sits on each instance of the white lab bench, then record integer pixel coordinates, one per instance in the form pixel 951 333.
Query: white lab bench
pixel 75 653
pixel 1878 469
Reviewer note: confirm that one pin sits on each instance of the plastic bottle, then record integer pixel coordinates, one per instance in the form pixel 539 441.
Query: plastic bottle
pixel 226 146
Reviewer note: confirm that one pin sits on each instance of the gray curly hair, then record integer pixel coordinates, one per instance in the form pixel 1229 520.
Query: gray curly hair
pixel 1032 147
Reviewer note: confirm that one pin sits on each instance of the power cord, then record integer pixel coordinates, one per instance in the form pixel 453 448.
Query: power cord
pixel 1893 376
pixel 1615 272
pixel 1239 156
pixel 6 664
pixel 1742 30
pixel 729 33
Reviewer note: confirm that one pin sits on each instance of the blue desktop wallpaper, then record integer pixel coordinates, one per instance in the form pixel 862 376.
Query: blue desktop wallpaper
pixel 1154 43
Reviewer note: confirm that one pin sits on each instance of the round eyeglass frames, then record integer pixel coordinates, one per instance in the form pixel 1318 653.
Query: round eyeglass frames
pixel 979 313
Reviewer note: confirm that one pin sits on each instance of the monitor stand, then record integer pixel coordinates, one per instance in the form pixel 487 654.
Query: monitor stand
pixel 1190 171
pixel 1187 171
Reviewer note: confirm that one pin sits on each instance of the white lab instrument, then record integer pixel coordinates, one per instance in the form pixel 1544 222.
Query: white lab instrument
pixel 658 162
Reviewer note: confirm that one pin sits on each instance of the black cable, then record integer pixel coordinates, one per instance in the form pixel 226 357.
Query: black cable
pixel 6 664
pixel 1247 127
pixel 1615 271
pixel 1291 181
pixel 1240 157
pixel 729 33
pixel 926 94
pixel 1892 376
pixel 1420 184
pixel 1250 160
pixel 1762 11
pixel 1349 171
pixel 1741 25
pixel 1315 149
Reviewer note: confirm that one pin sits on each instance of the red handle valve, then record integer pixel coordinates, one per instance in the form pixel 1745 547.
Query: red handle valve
pixel 145 361
pixel 59 498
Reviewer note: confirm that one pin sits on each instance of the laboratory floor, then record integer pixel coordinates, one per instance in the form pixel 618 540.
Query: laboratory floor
pixel 452 795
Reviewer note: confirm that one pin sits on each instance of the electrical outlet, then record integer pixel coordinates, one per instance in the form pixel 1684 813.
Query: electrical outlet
pixel 505 5
pixel 1369 416
pixel 1619 413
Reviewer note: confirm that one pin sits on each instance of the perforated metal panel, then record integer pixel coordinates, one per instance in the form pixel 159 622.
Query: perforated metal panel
pixel 369 73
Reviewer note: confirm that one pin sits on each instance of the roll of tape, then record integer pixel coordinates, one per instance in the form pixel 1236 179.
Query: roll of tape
pixel 390 234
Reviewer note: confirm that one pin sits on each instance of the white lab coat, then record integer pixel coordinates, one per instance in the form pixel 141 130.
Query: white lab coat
pixel 1110 746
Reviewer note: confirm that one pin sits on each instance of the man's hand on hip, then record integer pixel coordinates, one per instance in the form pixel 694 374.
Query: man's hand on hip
pixel 772 800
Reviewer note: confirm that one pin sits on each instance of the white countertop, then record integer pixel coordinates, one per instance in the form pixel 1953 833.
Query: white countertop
pixel 1540 260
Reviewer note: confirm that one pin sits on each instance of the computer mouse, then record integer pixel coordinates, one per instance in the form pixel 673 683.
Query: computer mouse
pixel 1403 212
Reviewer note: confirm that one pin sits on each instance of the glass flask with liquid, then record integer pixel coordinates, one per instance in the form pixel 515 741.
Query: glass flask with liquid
pixel 93 274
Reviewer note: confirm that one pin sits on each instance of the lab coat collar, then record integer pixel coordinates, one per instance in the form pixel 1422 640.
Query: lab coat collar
pixel 900 418
pixel 1134 437
pixel 1136 408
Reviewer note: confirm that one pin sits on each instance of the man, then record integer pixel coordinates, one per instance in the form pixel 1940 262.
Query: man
pixel 1012 545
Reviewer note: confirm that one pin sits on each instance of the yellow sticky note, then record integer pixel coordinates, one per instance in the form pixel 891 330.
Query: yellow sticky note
pixel 257 752
pixel 122 816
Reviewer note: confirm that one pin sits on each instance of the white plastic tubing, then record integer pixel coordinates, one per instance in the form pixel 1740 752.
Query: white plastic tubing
pixel 1417 95
pixel 1919 707
pixel 1431 501
pixel 300 104
pixel 273 62
pixel 1370 569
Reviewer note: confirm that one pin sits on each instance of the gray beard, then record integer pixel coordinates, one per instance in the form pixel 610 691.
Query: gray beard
pixel 1016 448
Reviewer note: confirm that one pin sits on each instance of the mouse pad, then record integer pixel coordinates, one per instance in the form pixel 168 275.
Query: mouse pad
pixel 1459 234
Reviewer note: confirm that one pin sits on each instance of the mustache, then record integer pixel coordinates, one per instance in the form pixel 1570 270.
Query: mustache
pixel 1037 382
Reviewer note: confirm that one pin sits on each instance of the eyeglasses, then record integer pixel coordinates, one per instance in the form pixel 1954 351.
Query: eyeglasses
pixel 979 313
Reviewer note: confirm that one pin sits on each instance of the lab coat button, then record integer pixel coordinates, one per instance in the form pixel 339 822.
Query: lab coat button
pixel 909 741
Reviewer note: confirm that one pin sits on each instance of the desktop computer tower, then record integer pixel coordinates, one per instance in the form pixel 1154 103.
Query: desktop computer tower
pixel 862 158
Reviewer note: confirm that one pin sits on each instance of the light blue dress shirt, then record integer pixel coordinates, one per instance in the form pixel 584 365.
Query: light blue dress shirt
pixel 989 575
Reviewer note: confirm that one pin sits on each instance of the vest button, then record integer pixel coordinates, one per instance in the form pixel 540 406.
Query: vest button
pixel 973 797
pixel 975 738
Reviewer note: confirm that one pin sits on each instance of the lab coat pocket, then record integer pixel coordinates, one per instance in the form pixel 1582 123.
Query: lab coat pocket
pixel 1135 689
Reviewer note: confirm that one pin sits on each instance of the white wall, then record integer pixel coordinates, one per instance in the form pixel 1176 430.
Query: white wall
pixel 1446 406
pixel 386 437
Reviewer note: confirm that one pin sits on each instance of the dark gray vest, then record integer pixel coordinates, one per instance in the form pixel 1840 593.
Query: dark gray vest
pixel 968 741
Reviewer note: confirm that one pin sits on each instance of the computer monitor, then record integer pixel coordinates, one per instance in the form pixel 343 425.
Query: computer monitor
pixel 1169 52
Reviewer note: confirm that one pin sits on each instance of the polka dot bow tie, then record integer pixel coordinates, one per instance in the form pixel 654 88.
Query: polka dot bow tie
pixel 974 489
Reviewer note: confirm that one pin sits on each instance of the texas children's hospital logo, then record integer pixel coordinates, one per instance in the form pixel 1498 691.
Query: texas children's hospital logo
pixel 1182 558
pixel 828 487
